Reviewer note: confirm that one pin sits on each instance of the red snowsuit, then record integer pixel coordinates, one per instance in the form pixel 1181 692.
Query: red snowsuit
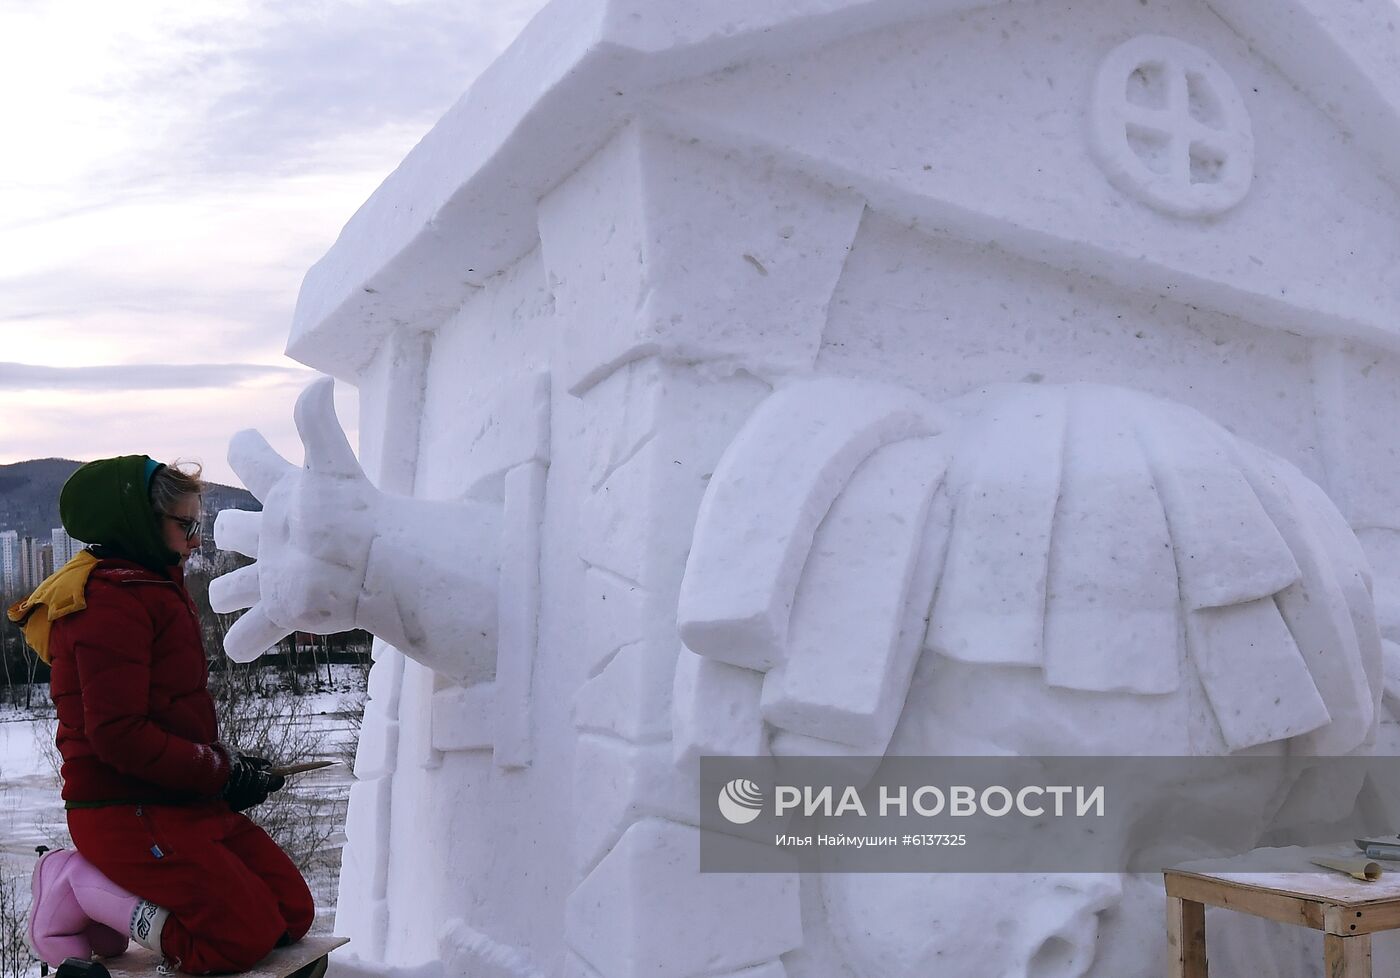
pixel 142 769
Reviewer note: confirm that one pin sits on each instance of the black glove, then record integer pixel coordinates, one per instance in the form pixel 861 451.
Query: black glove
pixel 250 780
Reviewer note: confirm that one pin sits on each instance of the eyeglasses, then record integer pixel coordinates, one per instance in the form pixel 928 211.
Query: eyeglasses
pixel 191 527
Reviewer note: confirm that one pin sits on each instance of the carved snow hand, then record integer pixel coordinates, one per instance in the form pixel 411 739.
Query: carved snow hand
pixel 334 553
pixel 311 541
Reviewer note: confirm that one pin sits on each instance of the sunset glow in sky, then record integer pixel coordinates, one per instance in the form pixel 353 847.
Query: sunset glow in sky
pixel 171 169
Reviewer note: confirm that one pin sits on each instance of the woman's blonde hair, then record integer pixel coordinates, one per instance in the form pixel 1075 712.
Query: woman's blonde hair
pixel 171 483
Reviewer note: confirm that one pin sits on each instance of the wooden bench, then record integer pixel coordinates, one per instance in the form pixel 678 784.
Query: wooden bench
pixel 138 962
pixel 1347 911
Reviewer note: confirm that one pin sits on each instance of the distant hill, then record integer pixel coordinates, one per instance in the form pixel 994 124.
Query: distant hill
pixel 29 495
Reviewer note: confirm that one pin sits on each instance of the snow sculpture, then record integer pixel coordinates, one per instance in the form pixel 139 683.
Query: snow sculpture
pixel 686 309
pixel 1040 544
pixel 1169 127
pixel 334 553
pixel 1228 564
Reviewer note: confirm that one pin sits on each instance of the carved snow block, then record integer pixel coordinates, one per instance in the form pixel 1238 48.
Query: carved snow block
pixel 1253 674
pixel 742 267
pixel 618 519
pixel 636 530
pixel 631 697
pixel 464 717
pixel 625 782
pixel 385 680
pixel 391 401
pixel 716 709
pixel 647 911
pixel 518 612
pixel 613 609
pixel 620 415
pixel 366 824
pixel 743 274
pixel 771 489
pixel 991 599
pixel 1317 611
pixel 513 430
pixel 1108 515
pixel 849 658
pixel 377 752
pixel 652 429
pixel 1235 552
pixel 350 914
pixel 592 230
pixel 637 522
pixel 416 727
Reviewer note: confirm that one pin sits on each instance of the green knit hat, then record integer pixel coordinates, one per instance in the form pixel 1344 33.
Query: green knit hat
pixel 108 502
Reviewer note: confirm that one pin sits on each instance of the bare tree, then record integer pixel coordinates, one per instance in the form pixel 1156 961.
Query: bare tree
pixel 15 961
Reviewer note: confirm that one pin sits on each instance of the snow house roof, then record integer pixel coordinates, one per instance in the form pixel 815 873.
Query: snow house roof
pixel 461 206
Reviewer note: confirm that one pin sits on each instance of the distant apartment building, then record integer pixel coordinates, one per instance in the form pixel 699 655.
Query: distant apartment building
pixel 64 546
pixel 9 562
pixel 28 566
pixel 35 562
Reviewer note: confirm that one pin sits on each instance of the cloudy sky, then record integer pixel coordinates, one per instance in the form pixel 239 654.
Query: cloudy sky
pixel 170 170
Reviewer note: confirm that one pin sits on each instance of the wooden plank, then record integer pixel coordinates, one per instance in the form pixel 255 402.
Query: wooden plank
pixel 138 962
pixel 1329 887
pixel 1361 918
pixel 1270 904
pixel 1186 939
pixel 1291 872
pixel 1347 957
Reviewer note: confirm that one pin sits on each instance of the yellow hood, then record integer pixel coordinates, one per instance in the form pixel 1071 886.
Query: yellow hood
pixel 62 593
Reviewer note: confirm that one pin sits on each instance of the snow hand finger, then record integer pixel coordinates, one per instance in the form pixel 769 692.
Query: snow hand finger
pixel 256 462
pixel 327 449
pixel 235 590
pixel 252 635
pixel 238 530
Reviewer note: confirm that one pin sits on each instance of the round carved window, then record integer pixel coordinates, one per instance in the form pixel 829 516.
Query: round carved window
pixel 1168 126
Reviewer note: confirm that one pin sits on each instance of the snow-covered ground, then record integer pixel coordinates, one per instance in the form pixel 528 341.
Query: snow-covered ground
pixel 29 802
pixel 31 810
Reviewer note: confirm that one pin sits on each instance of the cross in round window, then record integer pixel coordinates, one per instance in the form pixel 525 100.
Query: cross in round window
pixel 1168 126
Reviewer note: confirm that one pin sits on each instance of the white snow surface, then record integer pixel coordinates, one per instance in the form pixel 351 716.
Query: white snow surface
pixel 580 69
